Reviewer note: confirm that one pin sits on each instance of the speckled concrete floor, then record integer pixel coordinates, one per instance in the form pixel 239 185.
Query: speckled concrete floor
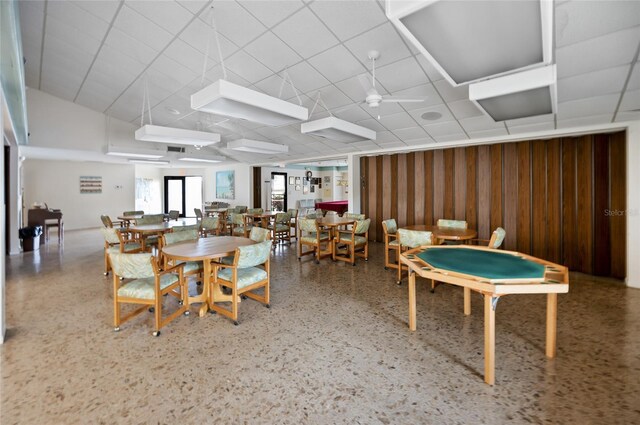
pixel 334 348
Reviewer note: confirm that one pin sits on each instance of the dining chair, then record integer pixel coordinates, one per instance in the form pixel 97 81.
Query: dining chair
pixel 354 241
pixel 497 237
pixel 143 283
pixel 408 239
pixel 238 225
pixel 240 209
pixel 354 216
pixel 310 234
pixel 117 242
pixel 106 221
pixel 174 214
pixel 257 234
pixel 249 272
pixel 293 222
pixel 455 224
pixel 389 230
pixel 198 213
pixel 210 226
pixel 138 212
pixel 191 268
pixel 280 230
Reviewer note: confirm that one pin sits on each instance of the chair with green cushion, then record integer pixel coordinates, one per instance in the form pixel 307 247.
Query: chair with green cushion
pixel 310 234
pixel 143 283
pixel 249 272
pixel 198 213
pixel 139 212
pixel 257 234
pixel 106 221
pixel 150 219
pixel 210 226
pixel 497 237
pixel 408 239
pixel 347 244
pixel 174 214
pixel 190 235
pixel 255 211
pixel 189 228
pixel 389 230
pixel 354 216
pixel 240 209
pixel 456 224
pixel 238 227
pixel 280 230
pixel 116 241
pixel 293 222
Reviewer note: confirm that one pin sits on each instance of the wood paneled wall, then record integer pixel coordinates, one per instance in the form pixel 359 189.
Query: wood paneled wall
pixel 560 199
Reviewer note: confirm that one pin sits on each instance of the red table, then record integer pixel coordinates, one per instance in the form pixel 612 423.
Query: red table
pixel 338 206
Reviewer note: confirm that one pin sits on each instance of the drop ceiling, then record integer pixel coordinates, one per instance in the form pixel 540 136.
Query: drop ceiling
pixel 96 54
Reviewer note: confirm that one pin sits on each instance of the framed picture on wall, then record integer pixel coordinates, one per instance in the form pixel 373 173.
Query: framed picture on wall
pixel 297 187
pixel 305 187
pixel 313 189
pixel 327 179
pixel 225 185
pixel 298 180
pixel 291 180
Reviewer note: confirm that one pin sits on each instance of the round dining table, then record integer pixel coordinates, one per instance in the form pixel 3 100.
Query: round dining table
pixel 145 230
pixel 445 233
pixel 206 250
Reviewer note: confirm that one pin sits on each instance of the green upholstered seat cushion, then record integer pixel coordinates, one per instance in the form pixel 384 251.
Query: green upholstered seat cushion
pixel 280 227
pixel 311 237
pixel 144 288
pixel 346 237
pixel 246 277
pixel 487 264
pixel 130 246
pixel 238 231
pixel 193 266
pixel 394 243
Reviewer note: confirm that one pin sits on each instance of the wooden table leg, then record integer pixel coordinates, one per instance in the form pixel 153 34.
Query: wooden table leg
pixel 552 318
pixel 467 301
pixel 412 300
pixel 489 340
pixel 206 281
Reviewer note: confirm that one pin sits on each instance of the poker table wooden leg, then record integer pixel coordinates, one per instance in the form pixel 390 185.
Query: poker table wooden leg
pixel 552 318
pixel 489 340
pixel 412 300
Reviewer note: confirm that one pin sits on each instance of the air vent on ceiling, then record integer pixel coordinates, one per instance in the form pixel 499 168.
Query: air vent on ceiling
pixel 175 149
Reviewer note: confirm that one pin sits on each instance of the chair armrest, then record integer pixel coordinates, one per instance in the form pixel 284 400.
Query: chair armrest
pixel 172 269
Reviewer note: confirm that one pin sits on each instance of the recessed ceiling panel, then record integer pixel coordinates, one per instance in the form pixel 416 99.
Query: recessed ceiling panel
pixel 517 105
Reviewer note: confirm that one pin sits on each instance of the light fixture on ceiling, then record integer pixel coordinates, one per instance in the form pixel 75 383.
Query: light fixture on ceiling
pixel 231 100
pixel 471 41
pixel 257 146
pixel 148 162
pixel 134 152
pixel 178 136
pixel 525 94
pixel 333 128
pixel 203 158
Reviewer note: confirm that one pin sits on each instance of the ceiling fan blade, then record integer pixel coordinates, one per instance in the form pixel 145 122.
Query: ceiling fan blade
pixel 403 99
pixel 365 82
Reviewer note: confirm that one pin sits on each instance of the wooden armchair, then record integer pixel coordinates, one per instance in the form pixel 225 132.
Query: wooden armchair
pixel 145 284
pixel 408 239
pixel 174 214
pixel 497 237
pixel 238 225
pixel 354 241
pixel 390 229
pixel 310 234
pixel 191 268
pixel 210 226
pixel 117 242
pixel 249 272
pixel 280 230
pixel 293 223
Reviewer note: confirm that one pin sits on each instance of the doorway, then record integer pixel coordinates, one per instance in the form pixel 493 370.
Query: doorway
pixel 279 192
pixel 183 194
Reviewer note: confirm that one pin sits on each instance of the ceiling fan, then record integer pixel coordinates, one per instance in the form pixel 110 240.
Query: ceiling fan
pixel 374 98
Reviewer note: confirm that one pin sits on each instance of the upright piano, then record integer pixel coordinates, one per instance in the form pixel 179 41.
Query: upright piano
pixel 39 217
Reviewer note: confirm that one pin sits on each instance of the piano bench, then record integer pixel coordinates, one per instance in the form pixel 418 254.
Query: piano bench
pixel 54 223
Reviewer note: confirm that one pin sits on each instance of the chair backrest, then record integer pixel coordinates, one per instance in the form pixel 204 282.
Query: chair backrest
pixel 255 210
pixel 390 227
pixel 282 218
pixel 138 212
pixel 175 237
pixel 252 255
pixel 354 216
pixel 237 219
pixel 152 218
pixel 240 209
pixel 132 266
pixel 308 225
pixel 198 212
pixel 181 229
pixel 106 221
pixel 210 223
pixel 362 226
pixel 110 235
pixel 259 234
pixel 497 238
pixel 414 238
pixel 293 213
pixel 174 214
pixel 456 224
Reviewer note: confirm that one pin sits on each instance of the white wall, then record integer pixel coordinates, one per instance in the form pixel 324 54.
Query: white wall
pixel 243 181
pixel 57 184
pixel 633 204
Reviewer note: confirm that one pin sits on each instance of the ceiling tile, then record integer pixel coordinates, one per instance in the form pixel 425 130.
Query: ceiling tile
pixel 587 107
pixel 447 130
pixel 271 12
pixel 199 35
pixel 186 55
pixel 401 75
pixel 306 78
pixel 272 86
pixel 60 53
pixel 385 40
pixel 630 100
pixel 168 14
pixel 31 21
pixel 352 114
pixel 431 70
pixel 450 93
pixel 531 128
pixel 142 29
pixel 70 14
pixel 479 123
pixel 130 46
pixel 426 91
pixel 305 33
pixel 339 16
pixel 598 53
pixel 413 133
pixel 115 56
pixel 352 88
pixel 585 120
pixel 337 64
pixel 247 67
pixel 104 10
pixel 386 137
pixel 496 132
pixel 592 84
pixel 333 97
pixel 627 116
pixel 581 20
pixel 397 121
pixel 72 36
pixel 464 109
pixel 372 124
pixel 634 80
pixel 234 22
pixel 441 109
pixel 272 52
pixel 91 101
pixel 59 89
pixel 194 6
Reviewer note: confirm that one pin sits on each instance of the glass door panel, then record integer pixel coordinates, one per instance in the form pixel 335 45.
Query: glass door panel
pixel 279 192
pixel 174 195
pixel 193 195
